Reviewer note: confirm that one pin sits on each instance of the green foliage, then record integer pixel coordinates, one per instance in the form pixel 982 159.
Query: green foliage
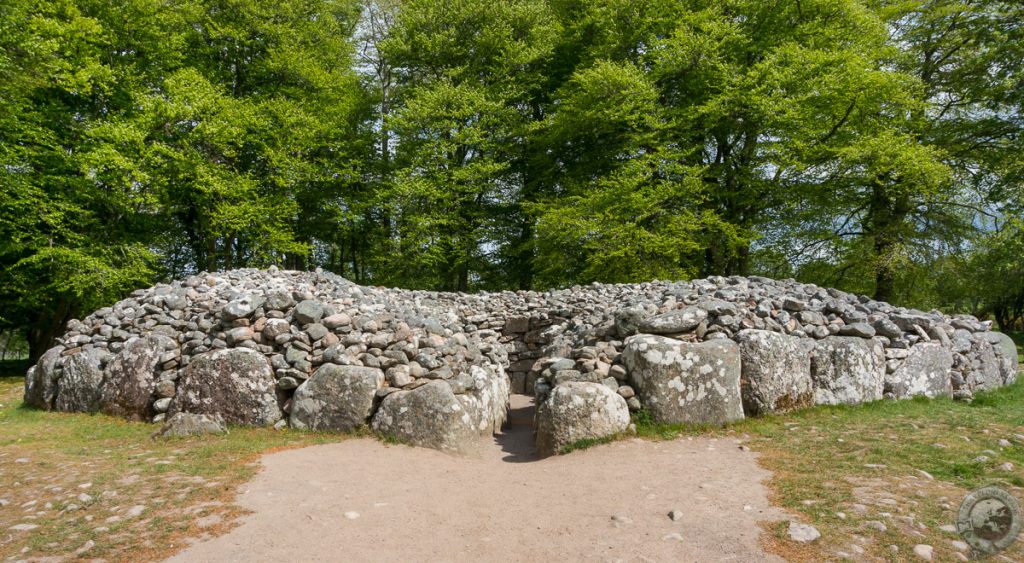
pixel 147 137
pixel 996 271
pixel 873 145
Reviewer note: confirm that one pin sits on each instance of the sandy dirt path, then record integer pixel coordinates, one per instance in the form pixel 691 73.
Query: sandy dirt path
pixel 361 500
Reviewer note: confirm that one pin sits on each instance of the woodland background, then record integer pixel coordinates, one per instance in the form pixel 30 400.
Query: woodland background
pixel 870 145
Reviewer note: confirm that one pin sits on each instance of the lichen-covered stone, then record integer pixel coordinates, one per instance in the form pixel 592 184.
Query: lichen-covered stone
pixel 430 416
pixel 484 393
pixel 985 372
pixel 577 411
pixel 80 384
pixel 680 382
pixel 924 372
pixel 1006 352
pixel 235 383
pixel 129 379
pixel 776 372
pixel 673 322
pixel 41 380
pixel 339 398
pixel 847 370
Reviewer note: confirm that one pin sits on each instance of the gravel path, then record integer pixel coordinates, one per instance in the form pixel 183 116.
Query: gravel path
pixel 361 500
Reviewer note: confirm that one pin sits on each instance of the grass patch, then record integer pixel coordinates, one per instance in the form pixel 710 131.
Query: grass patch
pixel 907 464
pixel 77 476
pixel 588 443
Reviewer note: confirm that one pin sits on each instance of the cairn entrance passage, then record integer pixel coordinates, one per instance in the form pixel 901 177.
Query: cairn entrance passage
pixel 312 350
pixel 516 439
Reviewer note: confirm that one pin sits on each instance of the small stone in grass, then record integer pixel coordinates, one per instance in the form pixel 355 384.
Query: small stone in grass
pixel 923 551
pixel 803 533
pixel 85 547
pixel 876 525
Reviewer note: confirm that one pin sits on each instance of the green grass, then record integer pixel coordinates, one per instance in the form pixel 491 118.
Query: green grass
pixel 825 460
pixel 588 443
pixel 183 482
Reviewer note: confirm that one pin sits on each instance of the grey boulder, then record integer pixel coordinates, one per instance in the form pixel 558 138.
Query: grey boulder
pixel 79 388
pixel 1006 351
pixel 680 382
pixel 308 311
pixel 41 380
pixel 925 372
pixel 847 370
pixel 242 307
pixel 130 376
pixel 430 416
pixel 577 411
pixel 189 424
pixel 236 383
pixel 986 373
pixel 776 374
pixel 337 398
pixel 673 322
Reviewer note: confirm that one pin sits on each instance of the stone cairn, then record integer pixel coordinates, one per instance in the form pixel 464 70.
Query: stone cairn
pixel 314 351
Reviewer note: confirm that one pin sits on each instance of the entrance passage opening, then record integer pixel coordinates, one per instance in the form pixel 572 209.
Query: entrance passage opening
pixel 516 438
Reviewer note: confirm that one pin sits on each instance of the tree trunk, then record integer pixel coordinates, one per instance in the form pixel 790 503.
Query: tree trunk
pixel 883 224
pixel 48 326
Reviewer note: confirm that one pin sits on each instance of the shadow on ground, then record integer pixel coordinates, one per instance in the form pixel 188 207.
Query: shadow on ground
pixel 516 436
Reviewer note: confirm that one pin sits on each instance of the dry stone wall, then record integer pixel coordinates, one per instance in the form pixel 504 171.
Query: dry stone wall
pixel 313 350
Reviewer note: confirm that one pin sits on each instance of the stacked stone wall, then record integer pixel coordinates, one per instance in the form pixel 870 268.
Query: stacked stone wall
pixel 315 351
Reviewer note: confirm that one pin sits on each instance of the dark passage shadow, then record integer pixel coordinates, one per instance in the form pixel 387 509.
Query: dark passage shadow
pixel 516 436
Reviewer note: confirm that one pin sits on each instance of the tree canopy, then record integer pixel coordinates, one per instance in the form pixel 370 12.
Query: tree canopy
pixel 872 145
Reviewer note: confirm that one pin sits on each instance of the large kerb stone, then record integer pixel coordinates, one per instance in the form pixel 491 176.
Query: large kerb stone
pixel 430 416
pixel 776 375
pixel 576 411
pixel 924 372
pixel 80 384
pixel 337 398
pixel 680 382
pixel 129 379
pixel 847 370
pixel 236 384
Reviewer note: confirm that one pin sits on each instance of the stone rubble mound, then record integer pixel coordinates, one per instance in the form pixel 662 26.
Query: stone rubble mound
pixel 315 351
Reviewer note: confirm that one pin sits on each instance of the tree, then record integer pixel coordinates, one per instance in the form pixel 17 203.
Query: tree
pixel 946 164
pixel 67 244
pixel 464 70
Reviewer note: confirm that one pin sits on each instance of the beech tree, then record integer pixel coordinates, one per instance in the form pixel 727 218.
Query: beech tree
pixel 872 145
